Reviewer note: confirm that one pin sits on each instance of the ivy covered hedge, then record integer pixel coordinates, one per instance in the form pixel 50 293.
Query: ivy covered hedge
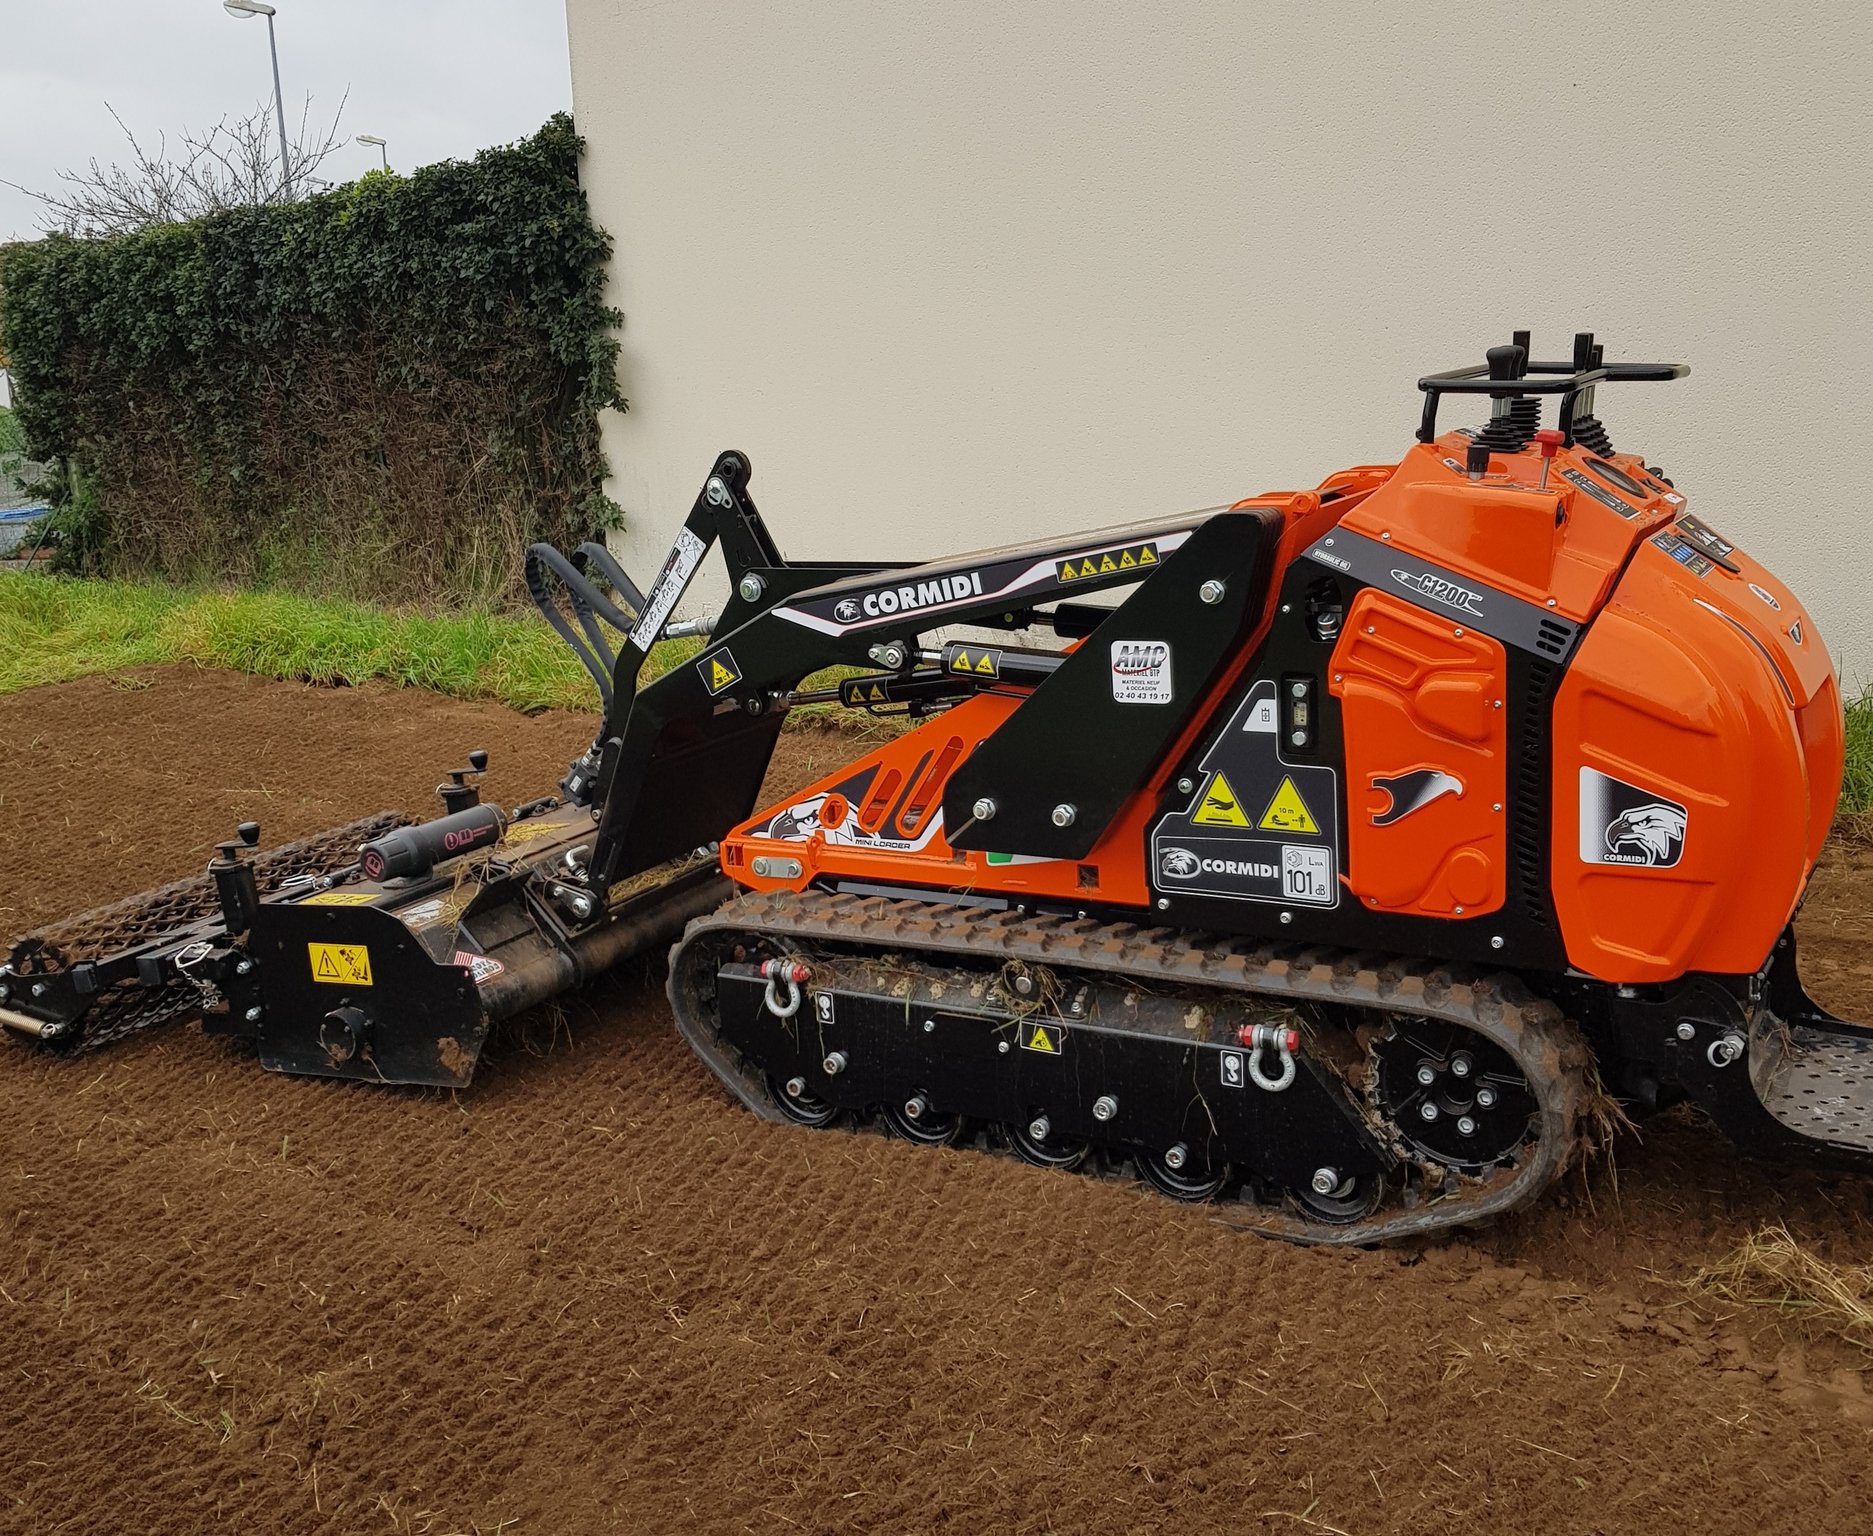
pixel 382 392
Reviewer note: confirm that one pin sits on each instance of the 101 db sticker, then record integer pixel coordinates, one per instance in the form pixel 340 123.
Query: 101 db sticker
pixel 1141 672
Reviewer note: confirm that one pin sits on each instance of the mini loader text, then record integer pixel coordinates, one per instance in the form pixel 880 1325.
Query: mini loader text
pixel 1330 867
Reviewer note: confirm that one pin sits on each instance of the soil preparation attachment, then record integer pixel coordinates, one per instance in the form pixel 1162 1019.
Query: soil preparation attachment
pixel 1327 856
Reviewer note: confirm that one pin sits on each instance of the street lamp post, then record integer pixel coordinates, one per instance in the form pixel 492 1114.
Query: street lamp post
pixel 241 10
pixel 377 144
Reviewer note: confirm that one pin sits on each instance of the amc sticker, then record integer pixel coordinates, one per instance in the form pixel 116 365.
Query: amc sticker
pixel 1141 672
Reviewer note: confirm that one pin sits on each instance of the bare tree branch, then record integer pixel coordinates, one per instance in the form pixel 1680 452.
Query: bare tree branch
pixel 235 164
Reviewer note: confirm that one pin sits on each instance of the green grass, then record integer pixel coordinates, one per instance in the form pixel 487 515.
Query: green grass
pixel 1856 793
pixel 53 629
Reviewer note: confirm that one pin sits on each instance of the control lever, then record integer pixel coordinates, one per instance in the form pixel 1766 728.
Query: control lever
pixel 1549 440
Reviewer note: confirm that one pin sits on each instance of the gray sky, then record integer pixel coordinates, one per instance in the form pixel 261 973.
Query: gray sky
pixel 439 79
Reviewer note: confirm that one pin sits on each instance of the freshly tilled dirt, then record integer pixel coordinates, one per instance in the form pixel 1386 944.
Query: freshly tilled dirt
pixel 590 1293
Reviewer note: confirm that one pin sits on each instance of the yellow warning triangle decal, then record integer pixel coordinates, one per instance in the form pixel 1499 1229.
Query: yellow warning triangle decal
pixel 1288 812
pixel 1040 1041
pixel 1108 564
pixel 985 665
pixel 327 968
pixel 1126 562
pixel 719 675
pixel 1147 556
pixel 877 693
pixel 1219 808
pixel 961 663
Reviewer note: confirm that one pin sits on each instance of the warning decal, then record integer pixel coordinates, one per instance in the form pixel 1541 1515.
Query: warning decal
pixel 978 663
pixel 1111 563
pixel 340 965
pixel 340 899
pixel 1260 826
pixel 483 967
pixel 719 671
pixel 1048 1039
pixel 1288 812
pixel 1220 808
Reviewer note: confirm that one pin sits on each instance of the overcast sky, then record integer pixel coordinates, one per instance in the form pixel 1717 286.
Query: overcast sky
pixel 439 79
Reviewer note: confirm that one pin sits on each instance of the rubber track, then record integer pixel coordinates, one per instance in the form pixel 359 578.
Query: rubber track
pixel 149 915
pixel 1550 1051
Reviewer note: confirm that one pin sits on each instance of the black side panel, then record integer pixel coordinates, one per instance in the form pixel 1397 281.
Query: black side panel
pixel 1088 736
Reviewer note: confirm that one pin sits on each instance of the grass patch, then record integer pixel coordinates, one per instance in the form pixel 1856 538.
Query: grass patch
pixel 1769 1268
pixel 56 628
pixel 53 629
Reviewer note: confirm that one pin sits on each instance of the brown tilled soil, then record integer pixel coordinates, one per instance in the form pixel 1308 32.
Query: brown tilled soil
pixel 592 1294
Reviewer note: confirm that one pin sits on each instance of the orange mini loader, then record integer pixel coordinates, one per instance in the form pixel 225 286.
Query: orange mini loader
pixel 1329 872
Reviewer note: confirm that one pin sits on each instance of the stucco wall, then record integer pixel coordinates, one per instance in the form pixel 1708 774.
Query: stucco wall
pixel 958 273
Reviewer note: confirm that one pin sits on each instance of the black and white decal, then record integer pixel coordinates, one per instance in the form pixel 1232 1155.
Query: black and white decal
pixel 1259 827
pixel 925 592
pixel 1622 823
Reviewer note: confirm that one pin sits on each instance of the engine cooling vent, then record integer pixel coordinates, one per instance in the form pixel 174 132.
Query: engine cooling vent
pixel 1553 638
pixel 1528 827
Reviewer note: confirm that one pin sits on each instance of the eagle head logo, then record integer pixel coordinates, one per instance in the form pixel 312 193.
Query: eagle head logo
pixel 1650 831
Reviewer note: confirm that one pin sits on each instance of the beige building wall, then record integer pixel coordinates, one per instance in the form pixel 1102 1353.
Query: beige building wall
pixel 956 273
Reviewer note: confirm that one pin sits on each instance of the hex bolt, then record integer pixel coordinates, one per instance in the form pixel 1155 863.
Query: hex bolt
pixel 1686 1030
pixel 243 967
pixel 1485 1097
pixel 834 1063
pixel 984 809
pixel 1287 917
pixel 1105 1107
pixel 1427 1074
pixel 751 587
pixel 1002 1046
pixel 1040 1127
pixel 1024 985
pixel 1064 814
pixel 916 1107
pixel 1427 1110
pixel 1495 941
pixel 1460 1064
pixel 39 989
pixel 1298 690
pixel 1184 786
pixel 1466 1126
pixel 929 1026
pixel 253 1014
pixel 1211 592
pixel 1175 1157
pixel 1325 1181
pixel 796 1087
pixel 1164 903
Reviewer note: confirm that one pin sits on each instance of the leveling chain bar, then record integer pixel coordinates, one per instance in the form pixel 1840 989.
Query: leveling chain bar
pixel 1549 1051
pixel 152 917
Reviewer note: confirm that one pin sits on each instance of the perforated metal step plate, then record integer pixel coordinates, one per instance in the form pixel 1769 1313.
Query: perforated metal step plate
pixel 1823 1087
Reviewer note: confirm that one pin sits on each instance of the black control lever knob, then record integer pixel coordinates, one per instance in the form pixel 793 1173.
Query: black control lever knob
pixel 478 760
pixel 1507 363
pixel 249 833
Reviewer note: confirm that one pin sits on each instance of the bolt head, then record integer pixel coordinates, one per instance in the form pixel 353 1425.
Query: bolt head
pixel 929 1026
pixel 796 1086
pixel 984 809
pixel 1184 786
pixel 243 967
pixel 834 1064
pixel 1686 1030
pixel 1040 1127
pixel 1105 1107
pixel 751 587
pixel 1460 1064
pixel 1064 815
pixel 1495 941
pixel 914 1108
pixel 1175 1157
pixel 1002 1046
pixel 1485 1098
pixel 1325 1181
pixel 39 989
pixel 254 1013
pixel 1024 985
pixel 760 866
pixel 1465 1126
pixel 4 991
pixel 1287 917
pixel 1164 903
pixel 1211 591
pixel 1427 1110
pixel 1427 1074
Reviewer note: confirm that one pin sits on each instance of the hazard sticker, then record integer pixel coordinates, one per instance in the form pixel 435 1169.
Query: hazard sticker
pixel 1262 826
pixel 1288 812
pixel 1232 1069
pixel 719 671
pixel 984 663
pixel 340 899
pixel 1048 1039
pixel 340 965
pixel 484 967
pixel 1114 562
pixel 1220 807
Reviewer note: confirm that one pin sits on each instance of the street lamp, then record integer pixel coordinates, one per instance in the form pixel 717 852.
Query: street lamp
pixel 241 10
pixel 377 144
